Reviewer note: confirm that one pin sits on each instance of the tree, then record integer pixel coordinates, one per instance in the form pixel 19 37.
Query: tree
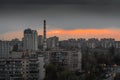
pixel 111 55
pixel 67 75
pixel 51 72
pixel 15 47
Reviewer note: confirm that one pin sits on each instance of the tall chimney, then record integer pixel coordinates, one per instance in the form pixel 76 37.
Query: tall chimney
pixel 44 44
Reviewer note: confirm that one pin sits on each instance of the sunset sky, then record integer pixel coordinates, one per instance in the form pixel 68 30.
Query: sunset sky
pixel 65 18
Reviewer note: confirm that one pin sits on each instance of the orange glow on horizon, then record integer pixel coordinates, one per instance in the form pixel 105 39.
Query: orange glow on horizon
pixel 85 33
pixel 65 34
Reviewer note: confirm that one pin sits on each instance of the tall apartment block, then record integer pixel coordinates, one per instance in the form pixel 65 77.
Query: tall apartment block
pixel 30 40
pixel 40 42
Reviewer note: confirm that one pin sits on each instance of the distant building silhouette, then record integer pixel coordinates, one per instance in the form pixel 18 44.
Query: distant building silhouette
pixel 52 42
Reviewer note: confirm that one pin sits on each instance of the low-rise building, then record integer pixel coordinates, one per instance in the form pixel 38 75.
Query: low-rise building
pixel 19 66
pixel 4 49
pixel 65 59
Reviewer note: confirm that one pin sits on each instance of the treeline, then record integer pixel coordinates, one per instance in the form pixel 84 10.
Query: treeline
pixel 54 72
pixel 97 62
pixel 109 56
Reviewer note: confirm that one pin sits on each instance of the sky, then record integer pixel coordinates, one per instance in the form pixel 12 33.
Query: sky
pixel 65 18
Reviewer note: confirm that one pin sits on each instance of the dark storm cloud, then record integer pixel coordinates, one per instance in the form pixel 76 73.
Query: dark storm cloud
pixel 64 14
pixel 59 16
pixel 60 1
